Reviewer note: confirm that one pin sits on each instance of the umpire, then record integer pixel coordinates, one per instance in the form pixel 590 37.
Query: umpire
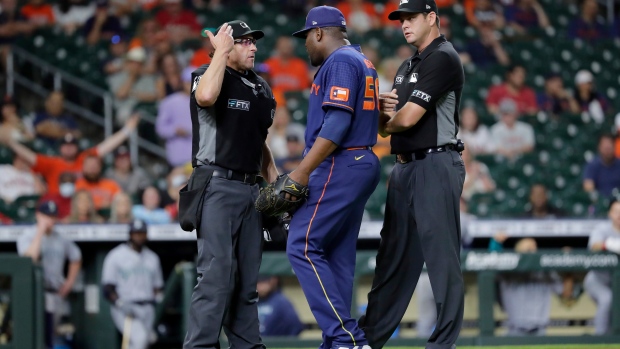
pixel 231 109
pixel 422 213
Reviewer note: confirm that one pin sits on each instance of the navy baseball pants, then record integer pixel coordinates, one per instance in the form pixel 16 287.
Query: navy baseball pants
pixel 322 241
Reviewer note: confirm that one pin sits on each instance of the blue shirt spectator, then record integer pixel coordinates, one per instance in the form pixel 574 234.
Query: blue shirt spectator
pixel 603 173
pixel 589 25
pixel 52 124
pixel 276 314
pixel 150 211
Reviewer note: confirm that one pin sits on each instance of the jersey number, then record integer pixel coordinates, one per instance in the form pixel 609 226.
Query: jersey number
pixel 371 92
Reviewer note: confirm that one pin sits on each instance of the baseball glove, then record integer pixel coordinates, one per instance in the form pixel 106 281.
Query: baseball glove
pixel 271 200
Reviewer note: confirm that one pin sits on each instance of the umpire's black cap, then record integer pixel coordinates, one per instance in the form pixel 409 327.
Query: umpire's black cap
pixel 413 6
pixel 240 29
pixel 137 226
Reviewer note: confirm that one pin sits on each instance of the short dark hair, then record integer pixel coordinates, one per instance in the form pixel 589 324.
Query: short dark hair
pixel 511 68
pixel 606 136
pixel 436 18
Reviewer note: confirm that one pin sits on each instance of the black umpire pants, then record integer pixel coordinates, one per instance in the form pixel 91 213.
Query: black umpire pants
pixel 229 255
pixel 421 224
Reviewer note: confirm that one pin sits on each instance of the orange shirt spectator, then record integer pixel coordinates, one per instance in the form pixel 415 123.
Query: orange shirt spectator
pixel 102 191
pixel 51 167
pixel 38 12
pixel 287 72
pixel 360 15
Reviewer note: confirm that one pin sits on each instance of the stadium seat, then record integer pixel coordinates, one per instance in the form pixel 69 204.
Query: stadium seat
pixel 24 208
pixel 6 155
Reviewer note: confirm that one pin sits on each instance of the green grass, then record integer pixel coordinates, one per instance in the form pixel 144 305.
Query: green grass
pixel 555 346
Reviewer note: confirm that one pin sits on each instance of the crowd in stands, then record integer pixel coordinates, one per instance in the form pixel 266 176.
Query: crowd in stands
pixel 147 62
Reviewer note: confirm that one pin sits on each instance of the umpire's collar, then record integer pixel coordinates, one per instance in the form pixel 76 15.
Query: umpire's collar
pixel 431 47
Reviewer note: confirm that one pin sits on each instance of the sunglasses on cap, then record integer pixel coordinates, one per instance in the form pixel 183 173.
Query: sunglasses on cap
pixel 246 41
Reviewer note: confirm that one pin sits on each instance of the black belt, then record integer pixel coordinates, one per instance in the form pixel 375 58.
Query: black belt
pixel 249 178
pixel 421 154
pixel 144 302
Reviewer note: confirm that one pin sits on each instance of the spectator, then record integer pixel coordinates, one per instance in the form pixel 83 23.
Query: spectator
pixel 62 199
pixel 130 179
pixel 12 24
pixel 145 36
pixel 170 80
pixel 588 99
pixel 486 49
pixel 121 209
pixel 603 173
pixel 181 24
pixel 360 15
pixel 175 180
pixel 276 314
pixel 484 14
pixel 404 52
pixel 513 88
pixel 118 50
pixel 52 124
pixel 50 250
pixel 555 99
pixel 476 136
pixel 202 55
pixel 281 127
pixel 101 189
pixel 131 86
pixel 83 209
pixel 477 177
pixel 174 123
pixel 387 74
pixel 17 180
pixel 72 14
pixel 605 237
pixel 295 146
pixel 526 297
pixel 539 204
pixel 287 72
pixel 525 15
pixel 589 25
pixel 445 29
pixel 70 159
pixel 511 138
pixel 13 122
pixel 38 13
pixel 150 211
pixel 102 26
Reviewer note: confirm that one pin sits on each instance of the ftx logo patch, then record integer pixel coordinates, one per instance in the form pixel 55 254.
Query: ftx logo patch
pixel 422 95
pixel 238 104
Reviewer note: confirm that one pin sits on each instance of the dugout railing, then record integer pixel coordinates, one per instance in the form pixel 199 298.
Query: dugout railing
pixel 94 329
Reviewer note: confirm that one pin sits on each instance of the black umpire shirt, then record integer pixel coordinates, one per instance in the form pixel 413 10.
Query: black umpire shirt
pixel 434 80
pixel 231 133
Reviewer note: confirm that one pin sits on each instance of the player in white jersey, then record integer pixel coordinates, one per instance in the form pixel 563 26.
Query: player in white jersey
pixel 132 282
pixel 605 237
pixel 51 251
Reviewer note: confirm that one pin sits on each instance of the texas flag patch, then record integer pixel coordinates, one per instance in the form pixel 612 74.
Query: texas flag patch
pixel 340 94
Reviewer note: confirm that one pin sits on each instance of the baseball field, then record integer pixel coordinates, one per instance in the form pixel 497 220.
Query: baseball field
pixel 559 346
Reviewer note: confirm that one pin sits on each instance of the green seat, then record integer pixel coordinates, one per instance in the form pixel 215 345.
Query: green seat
pixel 6 155
pixel 24 208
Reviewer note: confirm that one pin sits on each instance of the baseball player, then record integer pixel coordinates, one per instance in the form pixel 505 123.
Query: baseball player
pixel 132 282
pixel 597 284
pixel 50 250
pixel 341 172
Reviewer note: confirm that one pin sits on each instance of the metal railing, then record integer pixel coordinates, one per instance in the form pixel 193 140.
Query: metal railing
pixel 61 78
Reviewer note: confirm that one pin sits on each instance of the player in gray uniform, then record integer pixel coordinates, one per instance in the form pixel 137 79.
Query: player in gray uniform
pixel 51 251
pixel 605 237
pixel 132 281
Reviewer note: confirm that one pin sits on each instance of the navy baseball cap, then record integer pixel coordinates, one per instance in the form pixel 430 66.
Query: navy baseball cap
pixel 321 17
pixel 48 208
pixel 413 6
pixel 137 226
pixel 240 29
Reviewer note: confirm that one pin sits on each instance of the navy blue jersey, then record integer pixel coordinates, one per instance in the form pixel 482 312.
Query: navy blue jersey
pixel 346 80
